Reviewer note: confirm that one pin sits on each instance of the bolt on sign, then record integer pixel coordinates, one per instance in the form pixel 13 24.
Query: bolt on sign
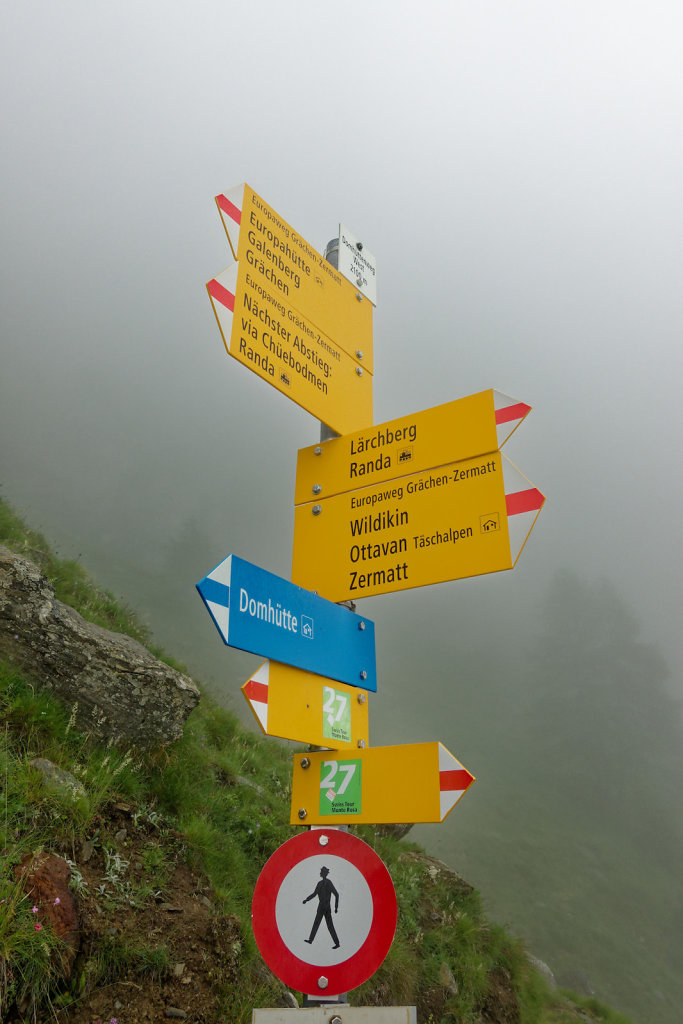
pixel 416 782
pixel 284 264
pixel 306 707
pixel 264 333
pixel 463 519
pixel 447 433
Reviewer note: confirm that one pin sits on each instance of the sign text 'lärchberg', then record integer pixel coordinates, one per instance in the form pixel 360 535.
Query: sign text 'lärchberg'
pixel 458 430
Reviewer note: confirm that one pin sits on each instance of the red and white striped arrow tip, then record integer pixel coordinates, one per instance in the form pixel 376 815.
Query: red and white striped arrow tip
pixel 222 288
pixel 221 291
pixel 256 692
pixel 454 781
pixel 509 413
pixel 230 208
pixel 523 502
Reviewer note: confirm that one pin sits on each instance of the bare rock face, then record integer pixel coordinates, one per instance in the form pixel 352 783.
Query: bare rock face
pixel 121 691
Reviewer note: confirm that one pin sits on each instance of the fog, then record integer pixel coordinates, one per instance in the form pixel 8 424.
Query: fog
pixel 516 171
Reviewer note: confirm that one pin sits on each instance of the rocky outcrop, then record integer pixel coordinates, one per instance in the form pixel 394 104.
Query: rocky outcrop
pixel 543 969
pixel 436 870
pixel 397 831
pixel 119 690
pixel 57 779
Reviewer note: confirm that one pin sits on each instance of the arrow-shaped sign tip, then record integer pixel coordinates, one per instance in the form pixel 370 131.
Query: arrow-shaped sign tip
pixel 214 591
pixel 230 208
pixel 523 504
pixel 509 413
pixel 454 780
pixel 255 691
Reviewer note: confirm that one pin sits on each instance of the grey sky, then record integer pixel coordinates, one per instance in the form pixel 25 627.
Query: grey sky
pixel 515 168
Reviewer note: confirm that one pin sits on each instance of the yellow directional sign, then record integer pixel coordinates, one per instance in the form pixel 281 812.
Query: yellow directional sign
pixel 419 782
pixel 461 429
pixel 264 333
pixel 288 266
pixel 308 708
pixel 463 519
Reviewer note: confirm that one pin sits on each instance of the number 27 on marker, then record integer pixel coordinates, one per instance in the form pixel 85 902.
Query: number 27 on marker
pixel 326 781
pixel 331 695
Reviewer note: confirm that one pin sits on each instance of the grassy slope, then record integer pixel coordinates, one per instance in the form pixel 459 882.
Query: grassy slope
pixel 226 792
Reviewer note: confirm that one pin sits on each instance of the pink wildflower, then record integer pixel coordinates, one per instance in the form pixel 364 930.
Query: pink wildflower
pixel 57 901
pixel 38 926
pixel 34 910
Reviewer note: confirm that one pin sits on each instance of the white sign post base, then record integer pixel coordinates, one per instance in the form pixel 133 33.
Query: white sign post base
pixel 343 1015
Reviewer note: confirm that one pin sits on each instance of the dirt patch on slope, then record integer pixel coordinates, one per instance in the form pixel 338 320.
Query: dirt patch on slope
pixel 153 944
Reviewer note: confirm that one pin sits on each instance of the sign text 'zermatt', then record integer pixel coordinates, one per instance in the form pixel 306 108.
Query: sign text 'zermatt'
pixel 463 519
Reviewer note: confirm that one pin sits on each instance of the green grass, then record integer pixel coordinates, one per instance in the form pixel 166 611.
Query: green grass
pixel 29 959
pixel 117 957
pixel 225 793
pixel 229 830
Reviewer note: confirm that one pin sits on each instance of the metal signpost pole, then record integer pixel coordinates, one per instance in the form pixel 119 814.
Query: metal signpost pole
pixel 326 434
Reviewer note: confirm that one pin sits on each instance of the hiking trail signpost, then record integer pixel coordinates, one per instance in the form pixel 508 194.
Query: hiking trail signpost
pixel 463 429
pixel 461 519
pixel 306 707
pixel 422 499
pixel 416 782
pixel 284 263
pixel 257 611
pixel 264 333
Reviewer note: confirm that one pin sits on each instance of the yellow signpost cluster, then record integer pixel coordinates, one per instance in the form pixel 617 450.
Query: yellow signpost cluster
pixel 418 500
pixel 442 524
pixel 287 266
pixel 447 433
pixel 422 499
pixel 286 314
pixel 308 708
pixel 271 338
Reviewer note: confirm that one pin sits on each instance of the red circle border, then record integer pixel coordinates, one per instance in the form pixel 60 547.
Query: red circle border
pixel 293 971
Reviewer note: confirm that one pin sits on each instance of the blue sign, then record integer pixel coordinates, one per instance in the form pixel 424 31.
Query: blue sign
pixel 257 611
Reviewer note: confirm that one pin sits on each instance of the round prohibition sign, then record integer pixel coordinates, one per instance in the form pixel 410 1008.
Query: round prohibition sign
pixel 324 912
